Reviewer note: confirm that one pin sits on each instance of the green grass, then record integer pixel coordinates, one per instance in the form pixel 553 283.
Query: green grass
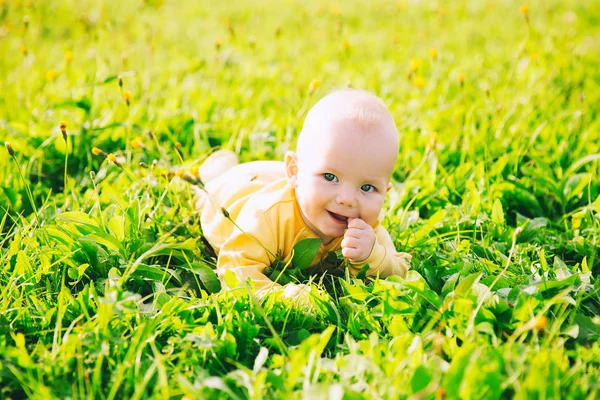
pixel 107 289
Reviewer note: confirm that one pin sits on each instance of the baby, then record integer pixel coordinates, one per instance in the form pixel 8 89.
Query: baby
pixel 332 188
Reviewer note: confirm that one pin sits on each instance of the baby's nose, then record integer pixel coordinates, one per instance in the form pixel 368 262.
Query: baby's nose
pixel 346 196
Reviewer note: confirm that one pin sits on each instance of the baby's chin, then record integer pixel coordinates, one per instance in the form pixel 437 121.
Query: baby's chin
pixel 328 235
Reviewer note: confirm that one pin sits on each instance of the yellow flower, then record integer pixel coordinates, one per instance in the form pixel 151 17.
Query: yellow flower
pixel 539 323
pixel 98 152
pixel 127 97
pixel 218 44
pixel 194 170
pixel 346 46
pixel 180 173
pixel 23 50
pixel 113 159
pixel 440 393
pixel 51 75
pixel 433 52
pixel 414 64
pixel 137 142
pixel 419 82
pixel 576 220
pixel 314 85
pixel 68 57
pixel 461 78
pixel 524 9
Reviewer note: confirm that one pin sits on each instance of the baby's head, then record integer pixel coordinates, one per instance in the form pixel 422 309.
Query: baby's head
pixel 345 157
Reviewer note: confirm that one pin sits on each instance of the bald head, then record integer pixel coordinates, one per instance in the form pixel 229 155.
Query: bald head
pixel 345 159
pixel 367 112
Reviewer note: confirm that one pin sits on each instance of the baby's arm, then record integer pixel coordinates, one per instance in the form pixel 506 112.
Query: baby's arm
pixel 247 253
pixel 384 259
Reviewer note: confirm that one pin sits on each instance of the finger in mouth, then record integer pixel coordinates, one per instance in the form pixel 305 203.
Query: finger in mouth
pixel 338 217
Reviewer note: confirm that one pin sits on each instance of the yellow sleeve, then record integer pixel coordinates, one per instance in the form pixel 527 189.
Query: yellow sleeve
pixel 247 252
pixel 384 259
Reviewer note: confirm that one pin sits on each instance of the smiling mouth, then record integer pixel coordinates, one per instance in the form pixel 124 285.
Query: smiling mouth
pixel 338 218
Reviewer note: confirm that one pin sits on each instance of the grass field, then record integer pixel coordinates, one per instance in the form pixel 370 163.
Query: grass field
pixel 107 289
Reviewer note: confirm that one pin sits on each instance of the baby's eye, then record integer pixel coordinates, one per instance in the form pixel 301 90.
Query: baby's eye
pixel 330 177
pixel 367 188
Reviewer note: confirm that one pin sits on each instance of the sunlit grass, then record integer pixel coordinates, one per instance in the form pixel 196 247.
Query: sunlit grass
pixel 108 290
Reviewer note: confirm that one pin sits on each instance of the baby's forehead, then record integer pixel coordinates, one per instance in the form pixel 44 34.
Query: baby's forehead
pixel 348 145
pixel 331 130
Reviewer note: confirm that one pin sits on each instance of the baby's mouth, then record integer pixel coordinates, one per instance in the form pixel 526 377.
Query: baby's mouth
pixel 338 218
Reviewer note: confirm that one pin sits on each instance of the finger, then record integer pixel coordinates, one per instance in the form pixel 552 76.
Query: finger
pixel 353 255
pixel 357 233
pixel 352 232
pixel 356 223
pixel 350 253
pixel 350 242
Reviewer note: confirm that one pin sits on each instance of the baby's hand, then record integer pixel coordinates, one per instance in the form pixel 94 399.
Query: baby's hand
pixel 358 240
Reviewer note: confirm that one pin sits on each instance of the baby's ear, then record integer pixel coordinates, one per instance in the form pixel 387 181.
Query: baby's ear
pixel 291 168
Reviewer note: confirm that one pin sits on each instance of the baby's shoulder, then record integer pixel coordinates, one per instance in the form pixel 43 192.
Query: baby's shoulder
pixel 275 198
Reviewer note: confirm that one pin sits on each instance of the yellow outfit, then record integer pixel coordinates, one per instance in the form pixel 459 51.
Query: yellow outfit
pixel 258 198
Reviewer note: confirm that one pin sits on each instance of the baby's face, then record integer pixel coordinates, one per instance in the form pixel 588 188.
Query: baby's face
pixel 344 174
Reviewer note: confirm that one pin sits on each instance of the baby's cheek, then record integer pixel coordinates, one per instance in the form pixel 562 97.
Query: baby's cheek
pixel 368 219
pixel 371 214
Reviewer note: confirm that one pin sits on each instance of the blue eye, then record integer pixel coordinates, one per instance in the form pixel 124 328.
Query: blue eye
pixel 330 177
pixel 367 188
